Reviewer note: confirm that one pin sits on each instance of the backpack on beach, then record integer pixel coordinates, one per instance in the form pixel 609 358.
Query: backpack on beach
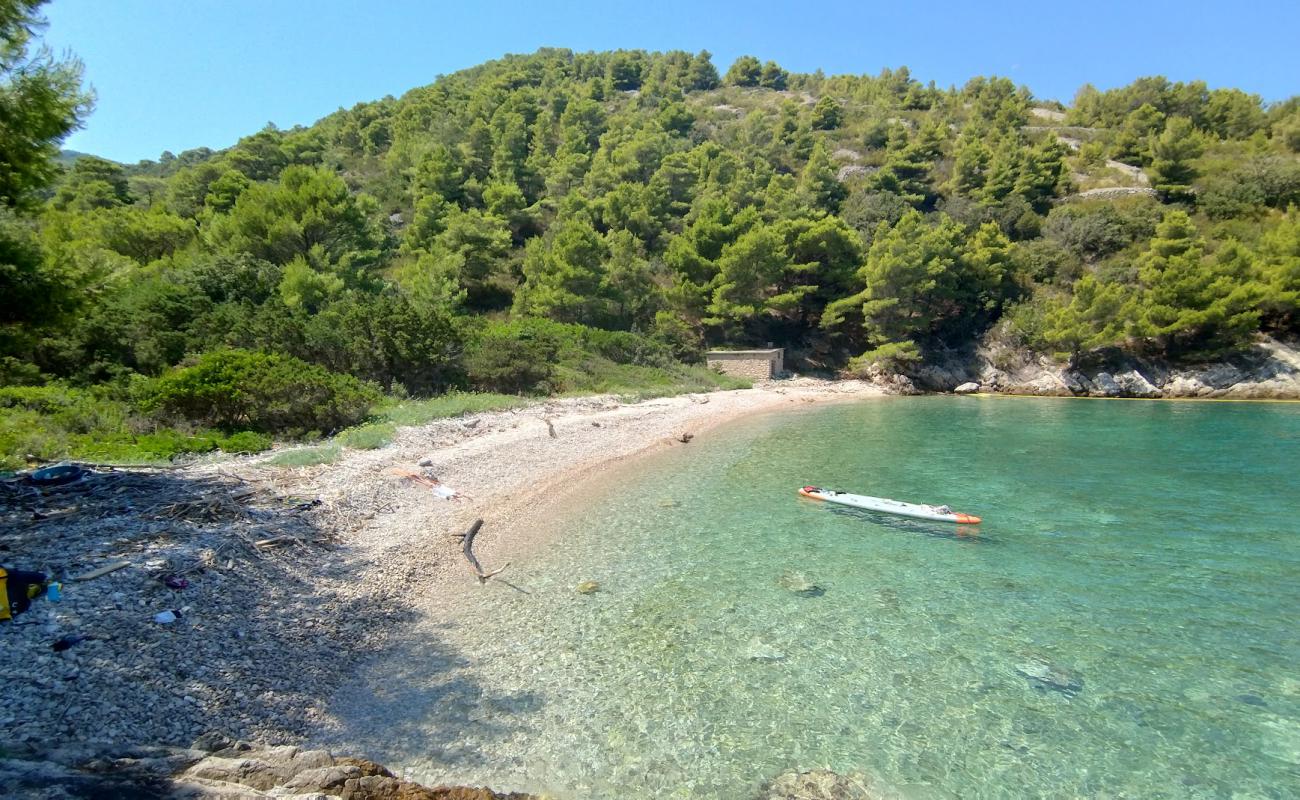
pixel 18 589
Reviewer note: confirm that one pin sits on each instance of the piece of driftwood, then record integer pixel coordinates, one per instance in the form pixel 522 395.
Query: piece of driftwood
pixel 467 547
pixel 277 540
pixel 685 438
pixel 104 570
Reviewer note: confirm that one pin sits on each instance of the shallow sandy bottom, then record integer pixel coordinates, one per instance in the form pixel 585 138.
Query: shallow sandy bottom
pixel 520 471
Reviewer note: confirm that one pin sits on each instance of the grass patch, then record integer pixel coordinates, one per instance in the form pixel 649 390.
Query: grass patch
pixel 307 456
pixel 371 436
pixel 245 442
pixel 633 382
pixel 452 404
pixel 55 422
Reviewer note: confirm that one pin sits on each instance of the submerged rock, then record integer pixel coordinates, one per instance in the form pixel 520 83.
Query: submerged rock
pixel 758 650
pixel 798 583
pixel 1045 676
pixel 822 784
pixel 288 771
pixel 587 587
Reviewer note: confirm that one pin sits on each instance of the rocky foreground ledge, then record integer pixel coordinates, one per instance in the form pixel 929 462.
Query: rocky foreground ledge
pixel 218 768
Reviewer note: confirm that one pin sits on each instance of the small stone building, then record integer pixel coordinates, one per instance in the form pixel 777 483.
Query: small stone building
pixel 758 365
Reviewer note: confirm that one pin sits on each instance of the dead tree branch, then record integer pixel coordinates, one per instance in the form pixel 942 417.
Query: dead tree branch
pixel 467 547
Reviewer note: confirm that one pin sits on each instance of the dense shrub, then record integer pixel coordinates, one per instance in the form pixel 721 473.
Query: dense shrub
pixel 385 339
pixel 500 360
pixel 1246 190
pixel 47 423
pixel 66 408
pixel 245 442
pixel 267 393
pixel 523 356
pixel 1088 233
pixel 1095 230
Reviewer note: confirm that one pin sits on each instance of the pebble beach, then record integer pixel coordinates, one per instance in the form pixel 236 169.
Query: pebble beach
pixel 280 581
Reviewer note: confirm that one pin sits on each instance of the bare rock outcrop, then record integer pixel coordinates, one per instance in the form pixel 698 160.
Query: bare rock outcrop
pixel 1268 370
pixel 217 768
pixel 241 771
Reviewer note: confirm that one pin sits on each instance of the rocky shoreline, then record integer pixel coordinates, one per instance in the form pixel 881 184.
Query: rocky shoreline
pixel 216 767
pixel 280 582
pixel 1270 370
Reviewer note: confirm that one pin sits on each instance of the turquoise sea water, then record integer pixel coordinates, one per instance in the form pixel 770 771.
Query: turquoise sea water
pixel 1125 622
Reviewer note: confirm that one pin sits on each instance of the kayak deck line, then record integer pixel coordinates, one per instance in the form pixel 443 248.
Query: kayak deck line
pixel 887 506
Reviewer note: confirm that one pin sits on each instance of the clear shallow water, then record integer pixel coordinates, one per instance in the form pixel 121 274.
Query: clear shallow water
pixel 1123 624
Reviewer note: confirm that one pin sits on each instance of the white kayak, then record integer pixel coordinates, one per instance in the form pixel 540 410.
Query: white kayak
pixel 916 510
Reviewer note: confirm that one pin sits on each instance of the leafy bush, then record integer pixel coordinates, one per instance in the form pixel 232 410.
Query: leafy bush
pixel 381 338
pixel 1267 181
pixel 525 356
pixel 161 445
pixel 240 389
pixel 24 435
pixel 69 409
pixel 52 422
pixel 1097 229
pixel 682 340
pixel 245 442
pixel 500 360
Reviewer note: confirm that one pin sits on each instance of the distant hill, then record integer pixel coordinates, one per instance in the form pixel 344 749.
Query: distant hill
pixel 857 220
pixel 67 158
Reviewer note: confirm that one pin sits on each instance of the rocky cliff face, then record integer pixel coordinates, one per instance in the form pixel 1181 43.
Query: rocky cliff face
pixel 1269 370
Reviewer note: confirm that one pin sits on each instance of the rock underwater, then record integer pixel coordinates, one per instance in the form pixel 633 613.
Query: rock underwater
pixel 822 784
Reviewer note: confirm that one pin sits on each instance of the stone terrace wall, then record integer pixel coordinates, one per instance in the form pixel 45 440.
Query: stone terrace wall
pixel 758 365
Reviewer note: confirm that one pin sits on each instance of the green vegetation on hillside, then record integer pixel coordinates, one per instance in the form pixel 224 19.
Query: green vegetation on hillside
pixel 562 222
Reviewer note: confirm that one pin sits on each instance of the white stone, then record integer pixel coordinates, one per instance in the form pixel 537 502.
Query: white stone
pixel 1106 385
pixel 1135 385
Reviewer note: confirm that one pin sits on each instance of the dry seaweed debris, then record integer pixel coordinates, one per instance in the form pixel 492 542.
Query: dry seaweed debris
pixel 109 512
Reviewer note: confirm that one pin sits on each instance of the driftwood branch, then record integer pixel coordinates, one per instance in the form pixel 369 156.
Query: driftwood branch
pixel 104 570
pixel 277 540
pixel 467 547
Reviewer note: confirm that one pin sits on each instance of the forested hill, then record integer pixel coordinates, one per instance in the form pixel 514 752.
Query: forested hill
pixel 433 240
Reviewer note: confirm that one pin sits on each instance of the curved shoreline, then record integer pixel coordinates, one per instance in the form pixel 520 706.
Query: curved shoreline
pixel 294 577
pixel 508 465
pixel 318 615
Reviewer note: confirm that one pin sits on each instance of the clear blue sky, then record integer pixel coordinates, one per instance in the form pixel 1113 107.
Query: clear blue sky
pixel 177 74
